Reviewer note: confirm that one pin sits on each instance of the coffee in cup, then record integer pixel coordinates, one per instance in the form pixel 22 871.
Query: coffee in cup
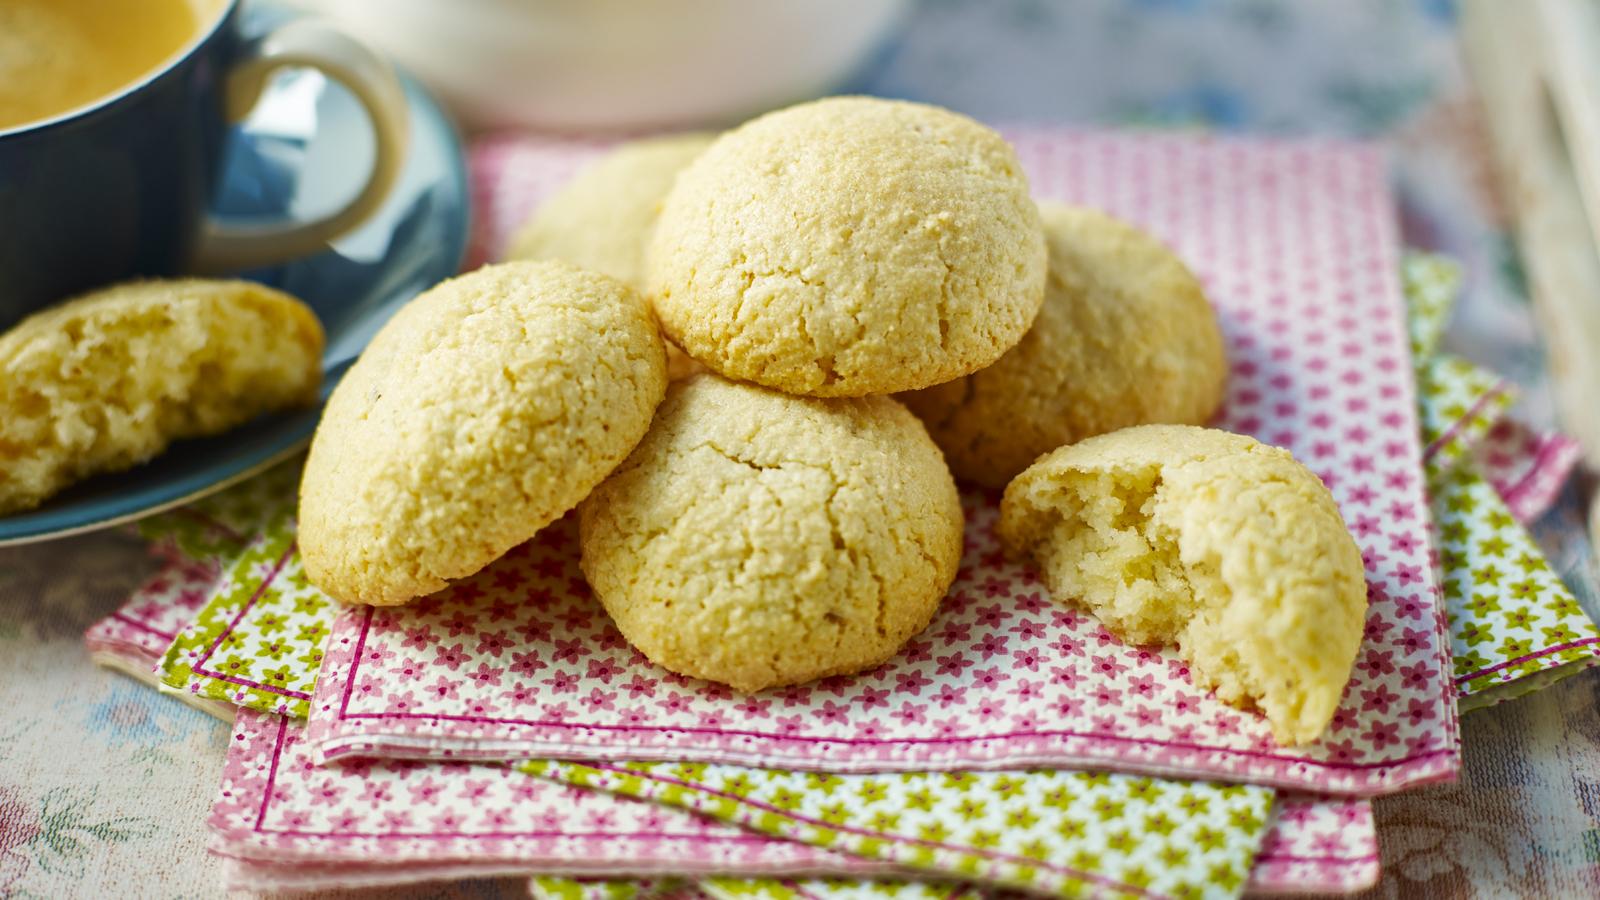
pixel 60 55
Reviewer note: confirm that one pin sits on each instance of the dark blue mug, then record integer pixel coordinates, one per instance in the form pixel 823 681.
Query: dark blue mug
pixel 121 188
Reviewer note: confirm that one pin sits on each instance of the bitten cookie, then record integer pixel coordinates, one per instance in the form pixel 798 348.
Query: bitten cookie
pixel 602 219
pixel 106 381
pixel 759 539
pixel 486 408
pixel 849 246
pixel 1226 547
pixel 1125 337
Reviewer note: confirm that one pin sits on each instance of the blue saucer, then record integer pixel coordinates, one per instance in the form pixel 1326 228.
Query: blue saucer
pixel 305 145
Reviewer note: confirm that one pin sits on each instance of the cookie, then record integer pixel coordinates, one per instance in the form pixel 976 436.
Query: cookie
pixel 485 409
pixel 1125 337
pixel 1226 547
pixel 680 365
pixel 602 219
pixel 759 539
pixel 107 380
pixel 849 246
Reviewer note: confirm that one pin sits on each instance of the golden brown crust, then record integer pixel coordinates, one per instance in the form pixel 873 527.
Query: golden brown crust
pixel 1125 337
pixel 482 411
pixel 849 246
pixel 759 539
pixel 602 219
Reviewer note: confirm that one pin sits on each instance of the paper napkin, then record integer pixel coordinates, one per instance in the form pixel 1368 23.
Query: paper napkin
pixel 1325 845
pixel 1310 847
pixel 550 887
pixel 321 860
pixel 1514 626
pixel 1526 466
pixel 244 647
pixel 1296 244
pixel 278 804
pixel 134 637
pixel 1065 833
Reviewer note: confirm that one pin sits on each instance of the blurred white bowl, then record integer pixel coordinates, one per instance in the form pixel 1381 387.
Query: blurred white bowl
pixel 619 64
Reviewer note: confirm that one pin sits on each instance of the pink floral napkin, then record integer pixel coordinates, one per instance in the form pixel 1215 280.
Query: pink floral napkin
pixel 375 822
pixel 278 804
pixel 1527 467
pixel 1318 845
pixel 1297 246
pixel 133 638
pixel 481 672
pixel 1295 854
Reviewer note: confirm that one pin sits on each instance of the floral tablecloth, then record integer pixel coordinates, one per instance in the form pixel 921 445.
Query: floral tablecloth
pixel 104 784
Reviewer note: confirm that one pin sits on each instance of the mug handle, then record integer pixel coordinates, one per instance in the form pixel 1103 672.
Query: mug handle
pixel 305 42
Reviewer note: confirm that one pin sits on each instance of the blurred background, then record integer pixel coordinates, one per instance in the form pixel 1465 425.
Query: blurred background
pixel 1349 66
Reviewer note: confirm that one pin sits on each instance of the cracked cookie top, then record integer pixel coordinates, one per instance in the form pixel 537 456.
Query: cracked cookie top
pixel 849 246
pixel 759 539
pixel 1125 337
pixel 486 408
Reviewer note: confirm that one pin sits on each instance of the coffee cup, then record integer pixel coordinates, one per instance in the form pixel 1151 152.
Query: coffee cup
pixel 119 185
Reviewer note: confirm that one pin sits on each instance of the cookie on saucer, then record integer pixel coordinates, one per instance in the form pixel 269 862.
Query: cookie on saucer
pixel 485 409
pixel 1125 337
pixel 759 539
pixel 849 246
pixel 106 381
pixel 1224 546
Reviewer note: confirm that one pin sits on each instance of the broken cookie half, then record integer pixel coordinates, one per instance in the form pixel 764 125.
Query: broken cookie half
pixel 1223 546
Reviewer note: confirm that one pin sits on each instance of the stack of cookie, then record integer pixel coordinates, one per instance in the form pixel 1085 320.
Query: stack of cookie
pixel 859 298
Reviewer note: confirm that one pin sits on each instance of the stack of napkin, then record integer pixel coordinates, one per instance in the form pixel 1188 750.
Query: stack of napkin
pixel 503 726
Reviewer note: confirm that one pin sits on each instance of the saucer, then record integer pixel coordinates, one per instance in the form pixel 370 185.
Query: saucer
pixel 303 143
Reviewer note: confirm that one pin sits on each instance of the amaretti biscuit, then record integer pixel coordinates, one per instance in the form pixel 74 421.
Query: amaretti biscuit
pixel 602 219
pixel 485 409
pixel 108 380
pixel 1125 337
pixel 849 246
pixel 759 539
pixel 1224 546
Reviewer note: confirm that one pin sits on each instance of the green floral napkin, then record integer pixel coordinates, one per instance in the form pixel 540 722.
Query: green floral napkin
pixel 1066 833
pixel 833 889
pixel 551 888
pixel 258 640
pixel 1514 626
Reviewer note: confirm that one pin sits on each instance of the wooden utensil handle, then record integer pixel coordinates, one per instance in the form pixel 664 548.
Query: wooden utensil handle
pixel 1537 69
